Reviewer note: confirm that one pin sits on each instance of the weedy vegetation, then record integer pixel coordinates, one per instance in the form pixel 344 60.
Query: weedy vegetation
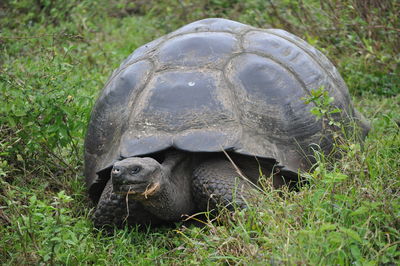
pixel 56 55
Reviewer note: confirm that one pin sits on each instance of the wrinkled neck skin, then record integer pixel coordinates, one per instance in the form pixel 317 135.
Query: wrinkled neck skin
pixel 173 199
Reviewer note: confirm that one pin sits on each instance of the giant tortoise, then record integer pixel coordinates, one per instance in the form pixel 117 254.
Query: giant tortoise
pixel 189 120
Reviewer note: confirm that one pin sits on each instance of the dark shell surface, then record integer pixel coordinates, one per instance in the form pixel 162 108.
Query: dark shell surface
pixel 214 85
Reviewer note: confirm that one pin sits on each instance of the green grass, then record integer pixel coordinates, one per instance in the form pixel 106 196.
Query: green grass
pixel 54 59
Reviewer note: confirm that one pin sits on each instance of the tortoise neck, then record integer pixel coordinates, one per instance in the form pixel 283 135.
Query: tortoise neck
pixel 172 159
pixel 174 199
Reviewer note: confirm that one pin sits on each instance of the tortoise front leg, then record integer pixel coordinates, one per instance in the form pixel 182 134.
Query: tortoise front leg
pixel 112 211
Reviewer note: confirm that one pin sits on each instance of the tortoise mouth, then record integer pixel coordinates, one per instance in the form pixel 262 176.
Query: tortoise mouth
pixel 138 188
pixel 130 188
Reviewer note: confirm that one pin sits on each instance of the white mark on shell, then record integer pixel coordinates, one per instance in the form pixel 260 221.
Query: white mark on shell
pixel 191 83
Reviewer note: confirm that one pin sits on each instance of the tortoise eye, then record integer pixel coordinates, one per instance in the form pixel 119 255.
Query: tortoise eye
pixel 135 170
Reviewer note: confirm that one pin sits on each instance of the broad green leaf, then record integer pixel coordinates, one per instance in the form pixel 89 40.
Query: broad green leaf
pixel 361 210
pixel 351 233
pixel 327 227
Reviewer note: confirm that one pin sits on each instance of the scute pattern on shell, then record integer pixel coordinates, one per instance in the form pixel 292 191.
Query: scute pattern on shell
pixel 211 85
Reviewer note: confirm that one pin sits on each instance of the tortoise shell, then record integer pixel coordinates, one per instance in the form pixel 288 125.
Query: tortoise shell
pixel 209 86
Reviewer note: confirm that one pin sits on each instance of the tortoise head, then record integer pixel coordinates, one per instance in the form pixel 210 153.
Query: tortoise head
pixel 164 189
pixel 137 177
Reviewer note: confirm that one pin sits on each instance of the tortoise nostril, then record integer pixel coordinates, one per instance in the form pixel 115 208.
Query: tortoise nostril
pixel 116 171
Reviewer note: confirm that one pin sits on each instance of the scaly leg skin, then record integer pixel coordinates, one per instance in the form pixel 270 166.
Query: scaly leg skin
pixel 112 211
pixel 216 182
